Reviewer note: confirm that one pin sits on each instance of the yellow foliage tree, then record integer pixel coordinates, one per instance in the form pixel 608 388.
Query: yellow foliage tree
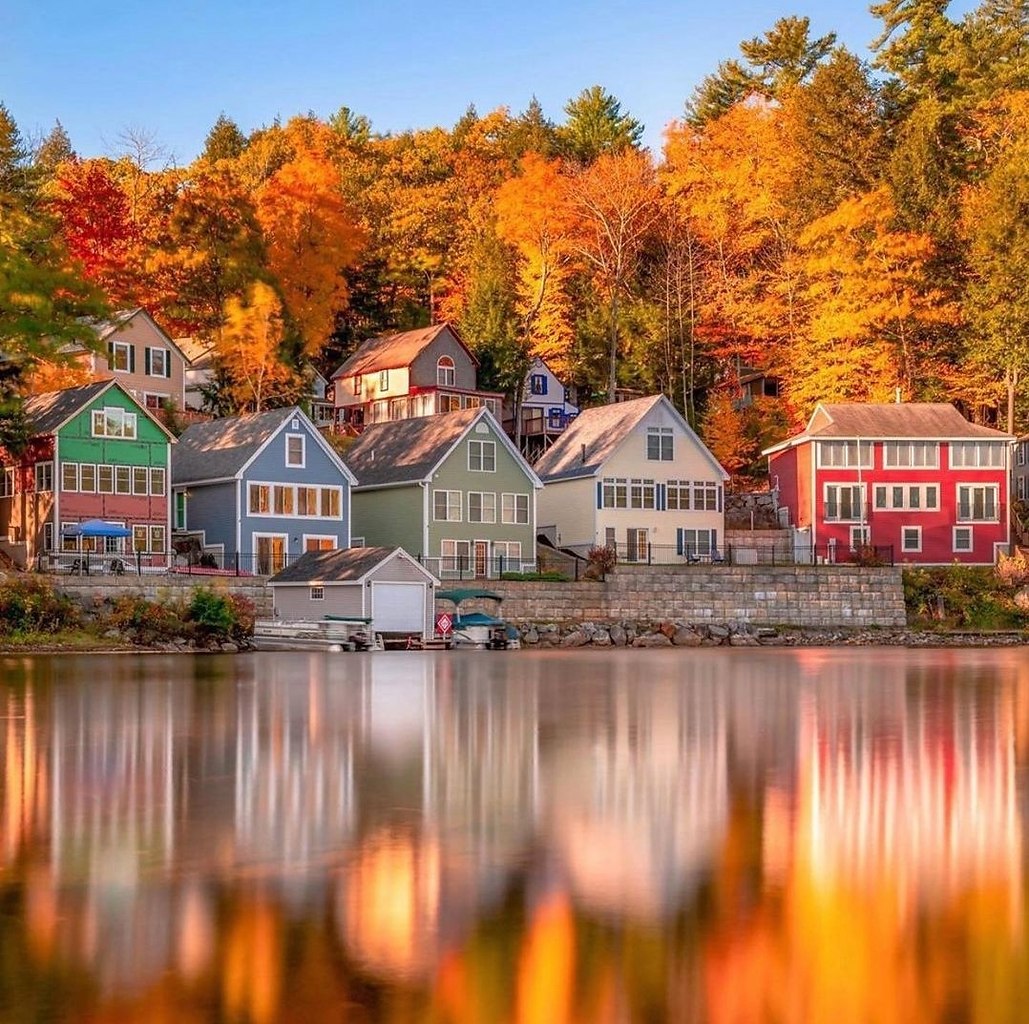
pixel 311 238
pixel 535 217
pixel 249 350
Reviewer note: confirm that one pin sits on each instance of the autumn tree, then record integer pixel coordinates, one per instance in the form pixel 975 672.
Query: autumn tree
pixel 596 124
pixel 95 225
pixel 54 150
pixel 249 351
pixel 725 434
pixel 616 202
pixel 224 141
pixel 310 238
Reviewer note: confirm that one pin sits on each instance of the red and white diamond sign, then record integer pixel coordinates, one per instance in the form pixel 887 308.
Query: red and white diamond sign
pixel 444 624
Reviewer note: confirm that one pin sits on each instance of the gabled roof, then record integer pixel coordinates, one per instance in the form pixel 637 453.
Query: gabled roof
pixel 198 352
pixel 343 565
pixel 45 413
pixel 938 421
pixel 221 449
pixel 116 321
pixel 596 434
pixel 392 351
pixel 48 412
pixel 408 451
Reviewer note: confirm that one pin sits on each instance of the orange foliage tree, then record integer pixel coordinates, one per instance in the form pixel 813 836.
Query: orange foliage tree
pixel 311 238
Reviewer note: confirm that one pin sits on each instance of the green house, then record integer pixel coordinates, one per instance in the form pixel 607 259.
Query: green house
pixel 93 452
pixel 450 489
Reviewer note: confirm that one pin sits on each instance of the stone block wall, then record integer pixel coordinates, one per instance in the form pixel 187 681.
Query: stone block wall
pixel 826 597
pixel 87 592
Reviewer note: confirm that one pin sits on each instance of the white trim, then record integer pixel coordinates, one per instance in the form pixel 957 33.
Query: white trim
pixel 305 537
pixel 983 484
pixel 315 434
pixel 860 518
pixel 482 507
pixel 426 610
pixel 294 487
pixel 482 453
pixel 254 536
pixel 395 553
pixel 906 550
pixel 302 464
pixel 954 540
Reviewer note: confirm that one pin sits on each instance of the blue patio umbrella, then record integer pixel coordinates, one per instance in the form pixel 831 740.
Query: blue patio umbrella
pixel 95 528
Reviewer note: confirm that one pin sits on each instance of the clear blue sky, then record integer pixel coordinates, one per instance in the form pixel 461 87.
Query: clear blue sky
pixel 173 67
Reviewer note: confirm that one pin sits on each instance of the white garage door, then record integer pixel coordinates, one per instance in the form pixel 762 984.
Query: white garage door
pixel 398 607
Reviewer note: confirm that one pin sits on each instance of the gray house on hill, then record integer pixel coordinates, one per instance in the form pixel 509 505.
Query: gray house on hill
pixel 264 488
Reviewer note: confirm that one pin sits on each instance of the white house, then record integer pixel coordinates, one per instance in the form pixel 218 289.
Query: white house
pixel 545 409
pixel 633 476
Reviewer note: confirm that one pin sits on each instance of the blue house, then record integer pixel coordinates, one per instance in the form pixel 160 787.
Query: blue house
pixel 259 490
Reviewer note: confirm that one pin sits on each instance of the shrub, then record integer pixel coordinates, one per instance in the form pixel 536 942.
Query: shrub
pixel 211 612
pixel 548 576
pixel 600 561
pixel 1013 571
pixel 29 604
pixel 244 614
pixel 147 622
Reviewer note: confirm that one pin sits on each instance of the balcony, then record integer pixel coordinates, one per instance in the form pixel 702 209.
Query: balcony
pixel 419 401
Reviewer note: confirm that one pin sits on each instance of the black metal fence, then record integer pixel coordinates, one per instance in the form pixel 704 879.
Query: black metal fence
pixel 144 563
pixel 468 567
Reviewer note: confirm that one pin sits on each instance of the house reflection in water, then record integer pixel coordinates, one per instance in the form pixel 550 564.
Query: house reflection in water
pixel 787 836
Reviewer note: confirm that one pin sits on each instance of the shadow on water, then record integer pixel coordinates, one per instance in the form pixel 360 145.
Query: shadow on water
pixel 746 836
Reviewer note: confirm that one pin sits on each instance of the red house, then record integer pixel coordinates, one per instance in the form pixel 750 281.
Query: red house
pixel 915 477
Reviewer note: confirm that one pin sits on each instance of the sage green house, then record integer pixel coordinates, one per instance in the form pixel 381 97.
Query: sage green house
pixel 450 489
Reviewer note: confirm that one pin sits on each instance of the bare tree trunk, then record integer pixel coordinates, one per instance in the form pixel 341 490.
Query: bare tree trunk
pixel 1011 376
pixel 612 380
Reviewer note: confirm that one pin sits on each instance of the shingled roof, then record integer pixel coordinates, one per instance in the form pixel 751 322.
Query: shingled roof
pixel 391 351
pixel 595 435
pixel 890 420
pixel 406 451
pixel 343 565
pixel 45 413
pixel 221 448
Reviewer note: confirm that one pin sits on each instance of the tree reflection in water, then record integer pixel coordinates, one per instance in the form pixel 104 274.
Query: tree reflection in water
pixel 792 836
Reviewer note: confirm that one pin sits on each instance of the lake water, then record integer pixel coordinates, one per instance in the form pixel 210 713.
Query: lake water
pixel 533 837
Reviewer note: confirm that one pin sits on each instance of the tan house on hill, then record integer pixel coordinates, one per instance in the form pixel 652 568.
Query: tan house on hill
pixel 407 375
pixel 140 357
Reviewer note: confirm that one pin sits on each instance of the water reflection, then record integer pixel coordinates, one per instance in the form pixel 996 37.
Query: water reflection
pixel 738 837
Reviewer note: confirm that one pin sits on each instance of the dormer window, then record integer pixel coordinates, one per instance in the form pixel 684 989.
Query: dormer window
pixel 445 374
pixel 295 444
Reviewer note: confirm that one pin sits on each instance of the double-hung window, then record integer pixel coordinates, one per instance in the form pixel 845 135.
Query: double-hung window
pixel 44 476
pixel 977 502
pixel 707 495
pixel 69 476
pixel 614 492
pixel 157 362
pixel 642 494
pixel 260 499
pixel 844 454
pixel 514 508
pixel 295 450
pixel 446 506
pixel 660 443
pixel 122 479
pixel 446 373
pixel 482 507
pixel 156 480
pixel 843 502
pixel 916 454
pixel 7 482
pixel 907 497
pixel 121 357
pixel 482 456
pixel 677 495
pixel 977 454
pixel 140 480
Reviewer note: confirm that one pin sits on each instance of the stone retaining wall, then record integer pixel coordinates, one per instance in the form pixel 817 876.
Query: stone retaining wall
pixel 88 592
pixel 823 597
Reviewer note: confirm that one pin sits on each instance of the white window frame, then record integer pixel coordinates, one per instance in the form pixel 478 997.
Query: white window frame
pixel 865 449
pixel 251 487
pixel 455 555
pixel 7 482
pixel 302 464
pixel 979 448
pixel 126 420
pixel 905 504
pixel 903 546
pixel 119 472
pixel 125 348
pixel 92 469
pixel 158 481
pixel 974 487
pixel 157 405
pixel 332 538
pixel 317 593
pixel 660 435
pixel 511 510
pixel 140 473
pixel 40 472
pixel 640 492
pixel 158 530
pixel 492 511
pixel 165 363
pixel 509 559
pixel 102 469
pixel 446 371
pixel 680 489
pixel 384 380
pixel 453 501
pixel 613 488
pixel 860 535
pixel 954 540
pixel 337 493
pixel 482 447
pixel 73 467
pixel 892 449
pixel 862 497
pixel 707 496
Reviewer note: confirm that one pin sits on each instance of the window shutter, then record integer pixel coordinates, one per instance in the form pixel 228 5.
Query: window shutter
pixel 662 498
pixel 679 542
pixel 167 362
pixel 110 354
pixel 600 495
pixel 714 541
pixel 147 361
pixel 132 359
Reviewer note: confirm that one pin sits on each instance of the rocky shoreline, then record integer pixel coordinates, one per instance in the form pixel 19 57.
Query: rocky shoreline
pixel 551 635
